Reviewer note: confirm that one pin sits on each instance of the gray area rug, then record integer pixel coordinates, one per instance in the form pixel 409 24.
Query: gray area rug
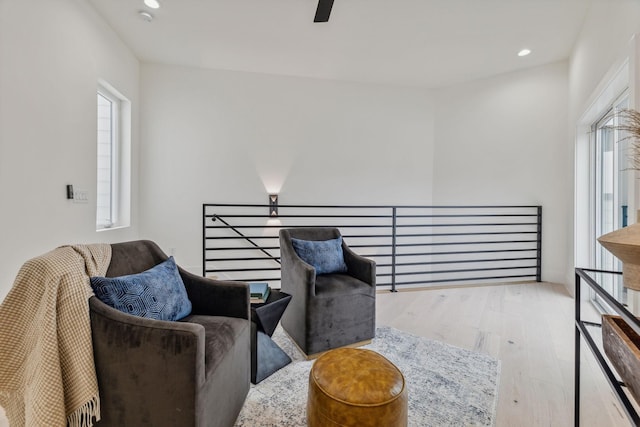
pixel 447 385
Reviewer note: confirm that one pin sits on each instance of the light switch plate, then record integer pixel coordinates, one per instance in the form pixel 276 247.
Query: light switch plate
pixel 80 196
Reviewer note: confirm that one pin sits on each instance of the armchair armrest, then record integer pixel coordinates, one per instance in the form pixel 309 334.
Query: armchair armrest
pixel 217 297
pixel 296 271
pixel 359 267
pixel 136 325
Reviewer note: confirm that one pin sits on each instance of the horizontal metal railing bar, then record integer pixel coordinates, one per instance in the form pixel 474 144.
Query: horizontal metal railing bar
pixel 398 236
pixel 344 236
pixel 414 282
pixel 398 283
pixel 241 238
pixel 408 273
pixel 387 254
pixel 249 205
pixel 466 261
pixel 227 270
pixel 264 258
pixel 278 247
pixel 492 242
pixel 487 251
pixel 481 233
pixel 239 259
pixel 244 249
pixel 388 274
pixel 347 236
pixel 462 270
pixel 379 265
pixel 298 216
pixel 506 215
pixel 385 265
pixel 475 224
pixel 479 242
pixel 464 215
pixel 407 245
pixel 268 226
pixel 464 279
pixel 378 255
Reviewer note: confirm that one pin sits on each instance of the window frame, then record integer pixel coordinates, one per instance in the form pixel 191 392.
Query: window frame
pixel 119 169
pixel 618 176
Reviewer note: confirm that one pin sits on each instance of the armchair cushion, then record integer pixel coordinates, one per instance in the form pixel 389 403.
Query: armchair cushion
pixel 325 256
pixel 334 285
pixel 157 293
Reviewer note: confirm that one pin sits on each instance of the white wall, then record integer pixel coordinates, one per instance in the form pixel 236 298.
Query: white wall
pixel 603 42
pixel 503 141
pixel 52 54
pixel 233 137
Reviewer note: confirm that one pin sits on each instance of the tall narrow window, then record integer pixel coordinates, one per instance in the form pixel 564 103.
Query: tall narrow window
pixel 107 143
pixel 112 203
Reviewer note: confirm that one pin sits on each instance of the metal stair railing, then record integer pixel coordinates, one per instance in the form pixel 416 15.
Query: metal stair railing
pixel 413 246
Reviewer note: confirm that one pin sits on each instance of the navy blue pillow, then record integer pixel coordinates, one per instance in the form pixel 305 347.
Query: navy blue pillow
pixel 324 255
pixel 157 293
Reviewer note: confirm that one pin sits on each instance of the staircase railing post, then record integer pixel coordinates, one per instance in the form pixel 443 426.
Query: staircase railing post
pixel 393 250
pixel 539 247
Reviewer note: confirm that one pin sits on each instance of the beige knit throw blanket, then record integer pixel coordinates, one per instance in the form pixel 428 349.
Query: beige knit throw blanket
pixel 47 374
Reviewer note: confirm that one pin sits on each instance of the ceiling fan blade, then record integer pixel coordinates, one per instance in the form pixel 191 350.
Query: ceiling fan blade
pixel 323 11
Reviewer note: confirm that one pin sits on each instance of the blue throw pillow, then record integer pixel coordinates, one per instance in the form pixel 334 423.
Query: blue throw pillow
pixel 324 255
pixel 157 293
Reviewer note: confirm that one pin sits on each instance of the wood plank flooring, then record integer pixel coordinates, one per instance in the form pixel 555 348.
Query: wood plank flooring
pixel 529 328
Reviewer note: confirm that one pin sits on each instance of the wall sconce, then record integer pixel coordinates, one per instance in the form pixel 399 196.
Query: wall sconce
pixel 273 205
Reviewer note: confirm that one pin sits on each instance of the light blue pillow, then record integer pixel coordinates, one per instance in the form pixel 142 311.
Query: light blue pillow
pixel 157 293
pixel 324 255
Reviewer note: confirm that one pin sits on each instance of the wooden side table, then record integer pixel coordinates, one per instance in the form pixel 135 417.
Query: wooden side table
pixel 266 356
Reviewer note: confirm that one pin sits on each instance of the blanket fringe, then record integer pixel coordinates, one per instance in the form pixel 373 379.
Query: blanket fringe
pixel 84 415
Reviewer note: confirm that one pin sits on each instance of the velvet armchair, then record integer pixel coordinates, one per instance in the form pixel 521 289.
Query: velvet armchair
pixel 327 310
pixel 192 372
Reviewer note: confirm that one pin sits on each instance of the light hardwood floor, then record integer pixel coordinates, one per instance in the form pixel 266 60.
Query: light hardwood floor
pixel 529 328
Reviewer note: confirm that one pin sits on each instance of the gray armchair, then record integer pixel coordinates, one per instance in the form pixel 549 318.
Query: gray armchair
pixel 326 310
pixel 193 372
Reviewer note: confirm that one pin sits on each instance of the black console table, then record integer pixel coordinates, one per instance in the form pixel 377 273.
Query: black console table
pixel 266 356
pixel 590 278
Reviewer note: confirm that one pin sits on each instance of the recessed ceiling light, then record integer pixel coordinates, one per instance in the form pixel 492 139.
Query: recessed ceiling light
pixel 153 4
pixel 524 52
pixel 146 16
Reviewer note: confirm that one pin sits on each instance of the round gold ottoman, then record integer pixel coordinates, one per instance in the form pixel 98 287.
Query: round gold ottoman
pixel 356 387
